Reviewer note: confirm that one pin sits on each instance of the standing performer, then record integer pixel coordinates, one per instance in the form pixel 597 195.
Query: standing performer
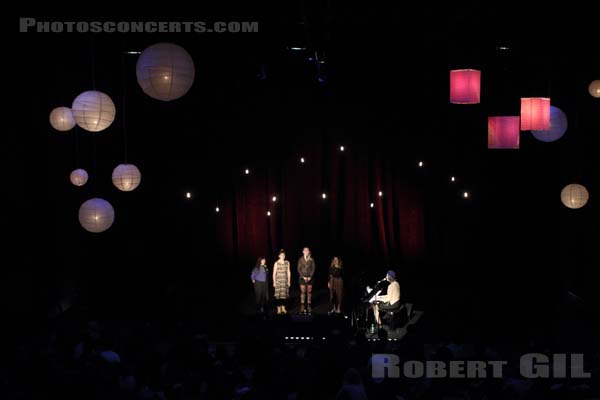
pixel 306 270
pixel 335 285
pixel 281 282
pixel 261 287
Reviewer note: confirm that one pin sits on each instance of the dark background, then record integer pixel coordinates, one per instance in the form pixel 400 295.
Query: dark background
pixel 508 255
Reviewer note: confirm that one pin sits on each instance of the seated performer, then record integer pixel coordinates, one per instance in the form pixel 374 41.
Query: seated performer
pixel 390 301
pixel 306 270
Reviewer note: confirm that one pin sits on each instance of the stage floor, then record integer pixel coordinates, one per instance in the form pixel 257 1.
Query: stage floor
pixel 294 327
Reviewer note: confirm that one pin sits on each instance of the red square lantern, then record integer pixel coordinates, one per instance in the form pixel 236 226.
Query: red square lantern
pixel 465 86
pixel 535 113
pixel 503 132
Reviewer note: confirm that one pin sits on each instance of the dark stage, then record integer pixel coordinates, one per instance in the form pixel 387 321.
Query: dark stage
pixel 455 145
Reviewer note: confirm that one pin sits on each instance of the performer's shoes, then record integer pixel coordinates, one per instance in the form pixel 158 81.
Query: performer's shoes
pixel 309 309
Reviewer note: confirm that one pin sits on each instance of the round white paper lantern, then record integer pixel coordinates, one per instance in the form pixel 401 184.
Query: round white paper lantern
pixel 79 177
pixel 558 126
pixel 61 119
pixel 126 177
pixel 93 111
pixel 574 196
pixel 594 88
pixel 96 215
pixel 165 71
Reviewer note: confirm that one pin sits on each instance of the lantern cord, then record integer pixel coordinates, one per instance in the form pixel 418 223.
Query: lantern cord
pixel 124 83
pixel 93 59
pixel 76 135
pixel 95 163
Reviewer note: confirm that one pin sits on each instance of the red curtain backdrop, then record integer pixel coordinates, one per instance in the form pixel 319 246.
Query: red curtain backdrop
pixel 342 224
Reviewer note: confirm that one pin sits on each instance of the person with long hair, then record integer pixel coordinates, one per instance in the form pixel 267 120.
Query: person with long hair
pixel 261 287
pixel 306 270
pixel 281 281
pixel 335 285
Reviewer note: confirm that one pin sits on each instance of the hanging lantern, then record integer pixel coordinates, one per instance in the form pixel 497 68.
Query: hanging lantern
pixel 96 215
pixel 558 126
pixel 79 177
pixel 165 71
pixel 594 88
pixel 93 111
pixel 503 132
pixel 61 119
pixel 535 113
pixel 126 177
pixel 574 196
pixel 465 86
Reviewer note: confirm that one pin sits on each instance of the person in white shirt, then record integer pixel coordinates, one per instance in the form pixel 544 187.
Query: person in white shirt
pixel 390 301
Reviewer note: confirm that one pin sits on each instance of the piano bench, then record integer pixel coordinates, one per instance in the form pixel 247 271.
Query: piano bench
pixel 399 317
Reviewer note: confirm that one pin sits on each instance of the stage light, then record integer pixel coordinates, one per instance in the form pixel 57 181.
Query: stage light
pixel 324 196
pixel 126 177
pixel 342 148
pixel 96 215
pixel 380 194
pixel 594 88
pixel 268 213
pixel 301 160
pixel 217 209
pixel 93 111
pixel 188 195
pixel 133 52
pixel 535 113
pixel 466 195
pixel 274 199
pixel 61 119
pixel 78 177
pixel 503 132
pixel 574 196
pixel 465 86
pixel 372 205
pixel 323 337
pixel 247 171
pixel 297 48
pixel 558 126
pixel 165 71
pixel 421 164
pixel 452 179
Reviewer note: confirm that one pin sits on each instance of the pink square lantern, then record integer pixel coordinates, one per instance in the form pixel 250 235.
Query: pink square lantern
pixel 503 132
pixel 465 86
pixel 535 113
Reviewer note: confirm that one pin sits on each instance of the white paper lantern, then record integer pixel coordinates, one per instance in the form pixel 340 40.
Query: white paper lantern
pixel 61 119
pixel 574 196
pixel 558 126
pixel 79 177
pixel 594 88
pixel 93 111
pixel 165 71
pixel 126 177
pixel 96 215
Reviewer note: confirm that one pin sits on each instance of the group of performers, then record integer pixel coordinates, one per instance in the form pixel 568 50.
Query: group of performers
pixel 282 281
